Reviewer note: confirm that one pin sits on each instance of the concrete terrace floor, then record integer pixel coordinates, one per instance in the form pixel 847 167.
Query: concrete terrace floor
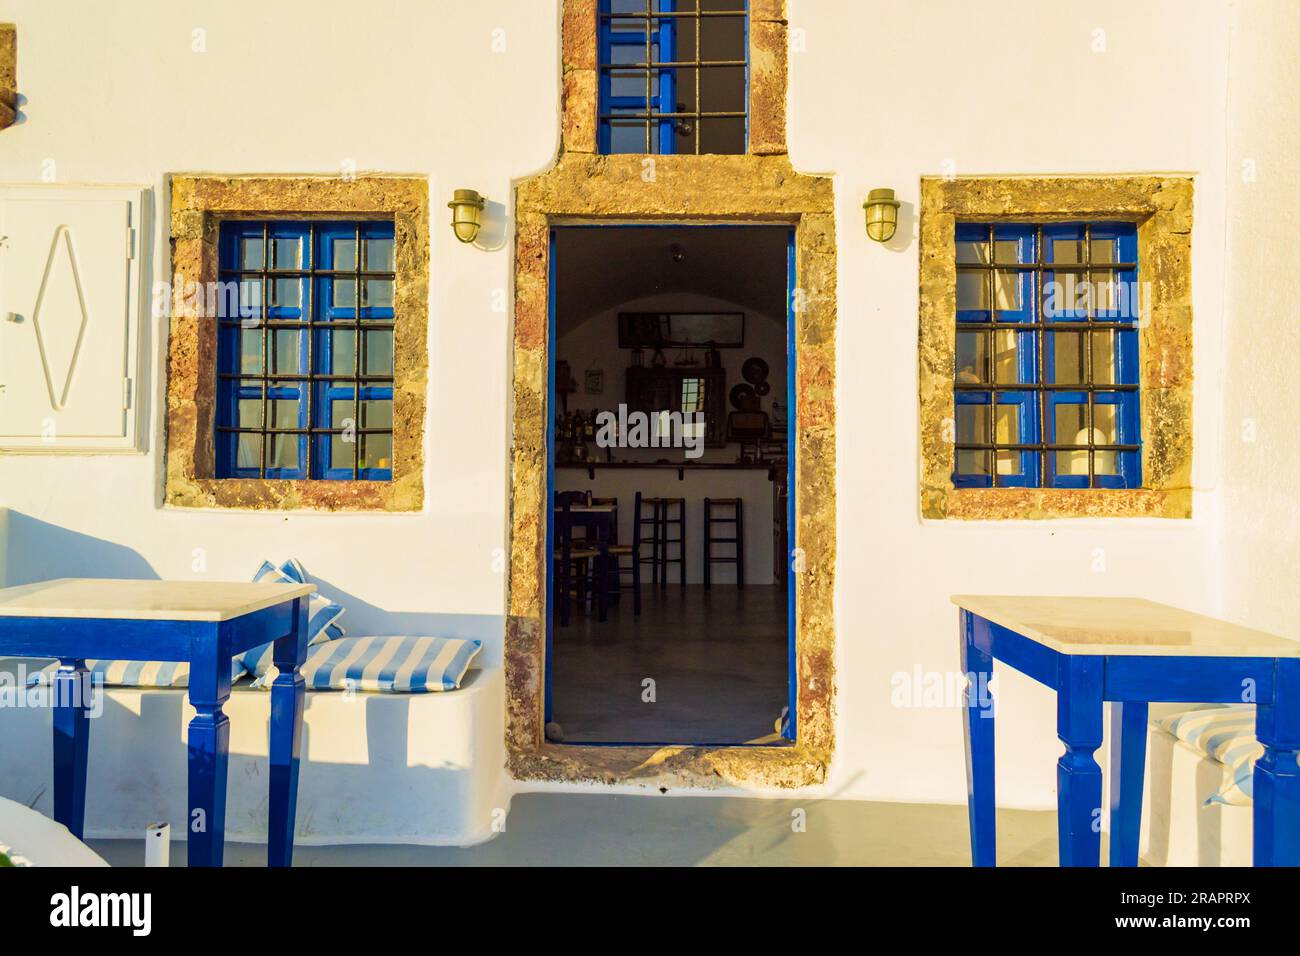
pixel 569 829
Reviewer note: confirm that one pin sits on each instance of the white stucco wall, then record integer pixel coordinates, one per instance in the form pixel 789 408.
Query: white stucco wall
pixel 1259 544
pixel 881 94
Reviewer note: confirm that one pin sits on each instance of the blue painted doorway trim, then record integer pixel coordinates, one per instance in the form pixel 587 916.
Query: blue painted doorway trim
pixel 791 418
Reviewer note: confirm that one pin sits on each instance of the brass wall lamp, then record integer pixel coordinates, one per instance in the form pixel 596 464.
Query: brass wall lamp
pixel 882 214
pixel 466 214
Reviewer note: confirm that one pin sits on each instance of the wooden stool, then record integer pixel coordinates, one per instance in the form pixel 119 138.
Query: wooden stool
pixel 737 520
pixel 679 522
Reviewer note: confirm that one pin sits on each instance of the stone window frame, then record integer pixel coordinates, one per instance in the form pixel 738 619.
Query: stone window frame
pixel 8 74
pixel 199 203
pixel 1162 208
pixel 768 28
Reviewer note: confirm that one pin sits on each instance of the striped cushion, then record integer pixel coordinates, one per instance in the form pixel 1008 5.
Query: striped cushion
pixel 136 673
pixel 397 665
pixel 295 572
pixel 1225 734
pixel 322 620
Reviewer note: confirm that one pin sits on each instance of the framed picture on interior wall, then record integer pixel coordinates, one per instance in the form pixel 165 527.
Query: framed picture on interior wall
pixel 594 381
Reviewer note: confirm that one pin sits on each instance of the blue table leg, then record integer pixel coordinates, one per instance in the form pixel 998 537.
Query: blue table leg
pixel 1128 753
pixel 71 743
pixel 209 745
pixel 287 695
pixel 1078 776
pixel 1277 774
pixel 980 781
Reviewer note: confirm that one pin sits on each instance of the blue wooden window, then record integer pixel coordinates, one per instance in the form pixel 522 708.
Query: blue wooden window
pixel 305 366
pixel 673 76
pixel 1046 370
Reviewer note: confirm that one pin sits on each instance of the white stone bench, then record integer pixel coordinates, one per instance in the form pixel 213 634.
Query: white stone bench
pixel 376 768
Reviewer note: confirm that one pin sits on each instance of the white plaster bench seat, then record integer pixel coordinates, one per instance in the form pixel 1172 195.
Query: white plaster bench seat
pixel 376 767
pixel 1178 827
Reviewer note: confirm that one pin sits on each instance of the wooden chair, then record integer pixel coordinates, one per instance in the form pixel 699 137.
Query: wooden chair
pixel 574 562
pixel 737 520
pixel 678 521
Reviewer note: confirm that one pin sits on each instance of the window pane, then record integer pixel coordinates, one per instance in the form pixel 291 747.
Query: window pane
pixel 1105 432
pixel 343 352
pixel 345 293
pixel 376 413
pixel 973 462
pixel 250 413
pixel 376 451
pixel 345 254
pixel 1008 286
pixel 379 353
pixel 1067 363
pixel 284 412
pixel 377 293
pixel 972 290
pixel 1007 430
pixel 283 451
pixel 286 253
pixel 250 351
pixel 250 297
pixel 1105 250
pixel 972 424
pixel 1103 291
pixel 343 449
pixel 248 451
pixel 1068 251
pixel 1103 358
pixel 250 252
pixel 972 357
pixel 286 293
pixel 1071 429
pixel 1009 250
pixel 722 89
pixel 285 357
pixel 627 136
pixel 1007 356
pixel 378 255
pixel 342 411
pixel 973 252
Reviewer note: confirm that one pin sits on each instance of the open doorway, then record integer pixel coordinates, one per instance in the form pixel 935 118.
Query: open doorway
pixel 670 603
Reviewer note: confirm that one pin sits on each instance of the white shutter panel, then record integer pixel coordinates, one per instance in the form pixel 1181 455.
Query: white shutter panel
pixel 69 318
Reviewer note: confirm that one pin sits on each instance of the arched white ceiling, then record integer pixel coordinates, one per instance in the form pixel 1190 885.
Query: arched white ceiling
pixel 599 268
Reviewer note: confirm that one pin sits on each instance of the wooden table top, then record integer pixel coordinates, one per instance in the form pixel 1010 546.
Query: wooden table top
pixel 145 600
pixel 1123 626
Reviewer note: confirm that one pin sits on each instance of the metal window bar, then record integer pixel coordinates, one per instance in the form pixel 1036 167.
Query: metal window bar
pixel 311 321
pixel 653 114
pixel 1040 327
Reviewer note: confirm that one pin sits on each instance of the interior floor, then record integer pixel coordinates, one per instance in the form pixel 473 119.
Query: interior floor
pixel 717 658
pixel 570 829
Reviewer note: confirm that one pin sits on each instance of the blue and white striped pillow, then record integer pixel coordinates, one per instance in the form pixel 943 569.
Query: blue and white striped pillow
pixel 295 572
pixel 396 665
pixel 1225 734
pixel 135 673
pixel 322 615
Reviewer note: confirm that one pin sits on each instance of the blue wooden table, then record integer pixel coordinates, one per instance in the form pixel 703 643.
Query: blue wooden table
pixel 1129 652
pixel 203 623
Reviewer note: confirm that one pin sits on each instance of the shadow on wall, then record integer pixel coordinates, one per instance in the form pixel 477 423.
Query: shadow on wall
pixel 35 550
pixel 364 619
